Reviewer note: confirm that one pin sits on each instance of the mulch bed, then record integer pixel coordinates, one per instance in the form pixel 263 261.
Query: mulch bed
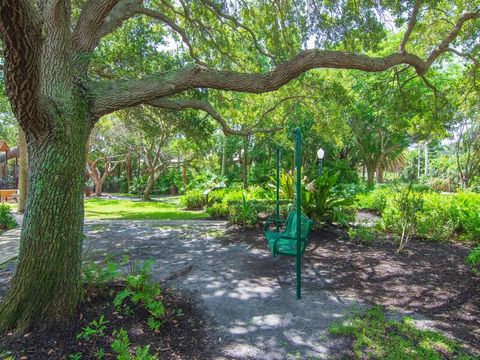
pixel 182 336
pixel 427 278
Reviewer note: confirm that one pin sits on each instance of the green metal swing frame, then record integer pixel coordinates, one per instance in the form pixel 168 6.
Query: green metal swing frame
pixel 293 240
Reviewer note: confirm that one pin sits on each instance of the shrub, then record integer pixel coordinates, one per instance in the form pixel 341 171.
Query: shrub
pixel 194 200
pixel 322 202
pixel 375 200
pixel 218 210
pixel 473 259
pixel 441 217
pixel 468 207
pixel 7 221
pixel 362 233
pixel 245 213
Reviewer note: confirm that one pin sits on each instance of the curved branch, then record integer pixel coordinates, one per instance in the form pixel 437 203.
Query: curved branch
pixel 115 95
pixel 171 23
pixel 86 33
pixel 445 43
pixel 182 104
pixel 411 25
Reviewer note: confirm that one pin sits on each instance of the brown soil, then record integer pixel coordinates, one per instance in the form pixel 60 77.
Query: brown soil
pixel 427 278
pixel 182 336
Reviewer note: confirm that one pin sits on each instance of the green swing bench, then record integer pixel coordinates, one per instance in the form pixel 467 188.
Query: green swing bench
pixel 290 237
pixel 284 242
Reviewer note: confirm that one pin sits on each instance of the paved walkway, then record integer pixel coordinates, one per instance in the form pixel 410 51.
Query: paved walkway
pixel 246 295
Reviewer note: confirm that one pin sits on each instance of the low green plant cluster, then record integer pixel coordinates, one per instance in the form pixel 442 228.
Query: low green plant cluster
pixel 7 221
pixel 322 200
pixel 376 337
pixel 437 217
pixel 139 291
pixel 362 233
pixel 240 206
pixel 473 259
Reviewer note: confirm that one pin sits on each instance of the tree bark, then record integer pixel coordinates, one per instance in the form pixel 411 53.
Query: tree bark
pixel 47 285
pixel 23 171
pixel 380 171
pixel 149 187
pixel 370 174
pixel 98 187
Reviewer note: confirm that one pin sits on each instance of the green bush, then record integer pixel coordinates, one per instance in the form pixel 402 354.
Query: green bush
pixel 468 208
pixel 375 200
pixel 194 200
pixel 473 259
pixel 218 210
pixel 441 217
pixel 323 202
pixel 245 213
pixel 7 221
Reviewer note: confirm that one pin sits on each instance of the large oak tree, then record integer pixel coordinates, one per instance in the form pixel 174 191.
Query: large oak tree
pixel 58 92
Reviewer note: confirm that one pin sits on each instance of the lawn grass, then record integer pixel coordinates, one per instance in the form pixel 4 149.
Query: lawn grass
pixel 376 337
pixel 124 209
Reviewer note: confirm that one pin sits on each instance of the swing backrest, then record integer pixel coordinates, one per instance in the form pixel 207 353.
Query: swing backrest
pixel 291 225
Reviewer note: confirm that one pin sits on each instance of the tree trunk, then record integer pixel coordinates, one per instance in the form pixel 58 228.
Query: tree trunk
pixel 47 285
pixel 128 171
pixel 149 187
pixel 370 174
pixel 23 171
pixel 98 188
pixel 380 172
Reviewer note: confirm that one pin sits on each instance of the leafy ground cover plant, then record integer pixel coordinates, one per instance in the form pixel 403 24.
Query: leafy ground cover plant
pixel 441 217
pixel 7 221
pixel 124 315
pixel 194 200
pixel 374 336
pixel 322 201
pixel 473 259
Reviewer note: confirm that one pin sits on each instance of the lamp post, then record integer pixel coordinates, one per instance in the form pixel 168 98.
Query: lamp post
pixel 320 155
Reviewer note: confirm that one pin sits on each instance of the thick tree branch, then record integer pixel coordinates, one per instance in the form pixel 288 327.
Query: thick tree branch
pixel 181 104
pixel 124 10
pixel 20 30
pixel 116 95
pixel 86 33
pixel 445 43
pixel 411 25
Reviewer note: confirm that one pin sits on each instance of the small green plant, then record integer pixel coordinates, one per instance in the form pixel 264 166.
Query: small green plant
pixel 218 210
pixel 75 356
pixel 95 274
pixel 362 233
pixel 473 259
pixel 376 337
pixel 323 202
pixel 95 329
pixel 245 214
pixel 7 221
pixel 194 200
pixel 121 348
pixel 99 353
pixel 140 290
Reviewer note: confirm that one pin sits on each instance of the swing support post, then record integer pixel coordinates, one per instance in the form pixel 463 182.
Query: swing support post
pixel 277 204
pixel 298 164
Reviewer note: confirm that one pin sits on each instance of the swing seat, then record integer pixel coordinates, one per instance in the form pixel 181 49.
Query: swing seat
pixel 285 242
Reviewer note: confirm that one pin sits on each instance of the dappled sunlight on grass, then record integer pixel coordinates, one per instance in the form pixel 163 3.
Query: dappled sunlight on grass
pixel 125 209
